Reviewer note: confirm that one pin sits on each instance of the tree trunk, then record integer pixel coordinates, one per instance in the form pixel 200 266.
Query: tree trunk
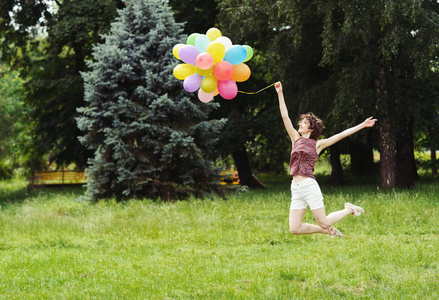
pixel 433 161
pixel 387 155
pixel 242 163
pixel 337 170
pixel 405 161
pixel 387 138
pixel 167 192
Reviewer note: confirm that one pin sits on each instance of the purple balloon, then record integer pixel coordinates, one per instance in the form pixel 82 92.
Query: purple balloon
pixel 189 54
pixel 192 83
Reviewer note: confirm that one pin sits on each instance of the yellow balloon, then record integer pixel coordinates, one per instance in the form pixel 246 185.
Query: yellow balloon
pixel 241 72
pixel 213 34
pixel 217 50
pixel 216 92
pixel 182 71
pixel 202 72
pixel 209 83
pixel 176 49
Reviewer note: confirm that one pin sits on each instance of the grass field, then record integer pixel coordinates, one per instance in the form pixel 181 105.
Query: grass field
pixel 54 246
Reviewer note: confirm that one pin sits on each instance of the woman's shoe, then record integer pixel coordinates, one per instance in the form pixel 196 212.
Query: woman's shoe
pixel 334 232
pixel 356 210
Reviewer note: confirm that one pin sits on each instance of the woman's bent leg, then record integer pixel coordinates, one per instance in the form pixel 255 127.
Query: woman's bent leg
pixel 326 221
pixel 297 227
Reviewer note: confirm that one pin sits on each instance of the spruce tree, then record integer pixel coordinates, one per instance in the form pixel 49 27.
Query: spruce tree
pixel 151 138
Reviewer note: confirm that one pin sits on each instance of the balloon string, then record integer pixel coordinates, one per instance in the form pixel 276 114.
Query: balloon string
pixel 252 93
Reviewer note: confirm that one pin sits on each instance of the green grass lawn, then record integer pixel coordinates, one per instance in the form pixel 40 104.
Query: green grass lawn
pixel 54 246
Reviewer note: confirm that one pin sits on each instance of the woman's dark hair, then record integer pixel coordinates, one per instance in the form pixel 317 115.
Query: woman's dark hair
pixel 315 124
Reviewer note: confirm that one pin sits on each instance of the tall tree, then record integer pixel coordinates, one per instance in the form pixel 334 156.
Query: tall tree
pixel 12 111
pixel 387 47
pixel 150 138
pixel 373 56
pixel 51 65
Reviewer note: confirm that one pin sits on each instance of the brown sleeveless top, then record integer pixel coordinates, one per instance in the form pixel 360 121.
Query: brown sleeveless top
pixel 303 157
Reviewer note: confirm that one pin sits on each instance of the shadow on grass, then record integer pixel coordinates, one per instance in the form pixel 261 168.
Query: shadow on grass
pixel 12 192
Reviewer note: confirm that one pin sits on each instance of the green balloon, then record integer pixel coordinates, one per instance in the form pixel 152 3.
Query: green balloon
pixel 249 52
pixel 191 39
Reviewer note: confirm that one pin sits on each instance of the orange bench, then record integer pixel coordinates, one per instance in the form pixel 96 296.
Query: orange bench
pixel 45 178
pixel 229 177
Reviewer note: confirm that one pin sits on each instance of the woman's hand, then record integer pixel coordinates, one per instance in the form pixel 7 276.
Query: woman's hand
pixel 278 87
pixel 369 122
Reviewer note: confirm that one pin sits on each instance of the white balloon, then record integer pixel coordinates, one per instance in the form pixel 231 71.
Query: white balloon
pixel 225 41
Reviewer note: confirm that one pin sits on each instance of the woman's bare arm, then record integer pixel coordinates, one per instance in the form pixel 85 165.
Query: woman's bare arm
pixel 292 132
pixel 324 143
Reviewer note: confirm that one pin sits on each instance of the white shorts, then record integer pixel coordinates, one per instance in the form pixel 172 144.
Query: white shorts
pixel 304 193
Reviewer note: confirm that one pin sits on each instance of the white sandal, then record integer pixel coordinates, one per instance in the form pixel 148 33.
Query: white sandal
pixel 356 210
pixel 334 232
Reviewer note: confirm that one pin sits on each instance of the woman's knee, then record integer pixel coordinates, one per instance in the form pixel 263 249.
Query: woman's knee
pixel 321 218
pixel 295 230
pixel 323 223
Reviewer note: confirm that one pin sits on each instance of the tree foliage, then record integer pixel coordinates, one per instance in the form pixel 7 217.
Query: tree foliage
pixel 343 60
pixel 150 138
pixel 280 55
pixel 347 60
pixel 51 65
pixel 197 15
pixel 12 112
pixel 387 48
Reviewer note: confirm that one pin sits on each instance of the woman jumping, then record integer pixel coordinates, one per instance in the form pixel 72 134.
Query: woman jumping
pixel 304 187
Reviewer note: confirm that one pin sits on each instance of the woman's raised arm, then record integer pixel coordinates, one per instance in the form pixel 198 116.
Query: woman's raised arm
pixel 292 132
pixel 324 143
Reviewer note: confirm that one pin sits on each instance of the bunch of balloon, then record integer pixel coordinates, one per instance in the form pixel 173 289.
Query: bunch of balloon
pixel 212 65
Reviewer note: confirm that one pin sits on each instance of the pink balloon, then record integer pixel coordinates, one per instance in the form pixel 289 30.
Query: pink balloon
pixel 205 97
pixel 223 70
pixel 204 61
pixel 188 54
pixel 227 89
pixel 192 83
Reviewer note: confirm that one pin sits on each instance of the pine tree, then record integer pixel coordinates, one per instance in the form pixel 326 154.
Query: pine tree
pixel 150 137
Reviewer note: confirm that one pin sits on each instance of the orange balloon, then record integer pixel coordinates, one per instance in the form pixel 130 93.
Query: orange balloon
pixel 241 72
